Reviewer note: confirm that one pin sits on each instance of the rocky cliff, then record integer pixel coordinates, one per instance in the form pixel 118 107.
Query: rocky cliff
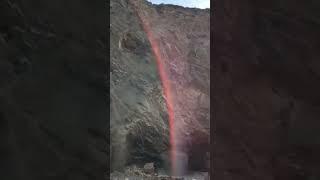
pixel 139 116
pixel 139 125
pixel 265 96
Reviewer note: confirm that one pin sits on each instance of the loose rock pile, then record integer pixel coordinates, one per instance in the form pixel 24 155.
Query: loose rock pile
pixel 149 172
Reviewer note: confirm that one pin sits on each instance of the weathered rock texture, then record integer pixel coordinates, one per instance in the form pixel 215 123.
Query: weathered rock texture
pixel 183 36
pixel 139 118
pixel 53 90
pixel 138 114
pixel 265 92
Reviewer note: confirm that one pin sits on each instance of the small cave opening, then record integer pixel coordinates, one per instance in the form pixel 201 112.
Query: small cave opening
pixel 142 150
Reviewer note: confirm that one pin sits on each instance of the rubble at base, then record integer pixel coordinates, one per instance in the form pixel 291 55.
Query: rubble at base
pixel 136 173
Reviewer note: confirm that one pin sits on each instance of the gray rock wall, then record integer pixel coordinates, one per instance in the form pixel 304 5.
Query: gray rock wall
pixel 139 127
pixel 139 117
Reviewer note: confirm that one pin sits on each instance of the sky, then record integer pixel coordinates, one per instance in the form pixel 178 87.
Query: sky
pixel 202 4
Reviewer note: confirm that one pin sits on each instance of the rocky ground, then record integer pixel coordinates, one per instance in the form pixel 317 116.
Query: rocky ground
pixel 135 173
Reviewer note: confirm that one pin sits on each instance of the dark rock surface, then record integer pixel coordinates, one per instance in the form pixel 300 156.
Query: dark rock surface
pixel 265 92
pixel 53 90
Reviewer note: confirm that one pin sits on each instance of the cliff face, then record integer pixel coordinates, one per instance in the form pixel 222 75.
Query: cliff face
pixel 139 127
pixel 183 35
pixel 139 117
pixel 265 89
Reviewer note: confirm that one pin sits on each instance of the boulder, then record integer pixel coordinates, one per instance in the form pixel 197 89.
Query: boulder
pixel 149 168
